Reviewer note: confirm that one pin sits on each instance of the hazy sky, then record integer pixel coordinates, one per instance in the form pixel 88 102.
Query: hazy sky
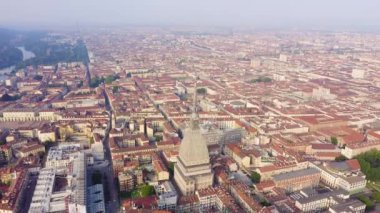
pixel 254 13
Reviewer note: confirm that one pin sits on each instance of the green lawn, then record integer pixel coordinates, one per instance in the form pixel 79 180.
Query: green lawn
pixel 143 191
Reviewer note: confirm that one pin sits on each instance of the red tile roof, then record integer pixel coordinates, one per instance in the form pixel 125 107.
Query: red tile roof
pixel 353 164
pixel 322 146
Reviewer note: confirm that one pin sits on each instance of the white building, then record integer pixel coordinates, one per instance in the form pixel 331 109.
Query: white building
pixel 42 193
pixel 59 157
pixel 255 63
pixel 278 77
pixel 283 58
pixel 167 196
pixel 322 93
pixel 357 73
pixel 64 161
pixel 312 201
pixel 339 175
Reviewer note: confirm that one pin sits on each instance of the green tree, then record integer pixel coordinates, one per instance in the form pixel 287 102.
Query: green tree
pixel 370 164
pixel 265 203
pixel 96 81
pixel 9 55
pixel 201 91
pixel 115 89
pixel 368 203
pixel 261 79
pixel 8 182
pixel 255 177
pixel 171 168
pixel 376 196
pixel 52 53
pixel 334 140
pixel 111 78
pixel 158 138
pixel 341 158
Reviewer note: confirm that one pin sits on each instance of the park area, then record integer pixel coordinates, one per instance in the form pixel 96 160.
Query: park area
pixel 139 192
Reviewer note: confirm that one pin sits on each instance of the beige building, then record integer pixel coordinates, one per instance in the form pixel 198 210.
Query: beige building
pixel 46 135
pixel 33 148
pixel 297 180
pixel 126 181
pixel 160 169
pixel 193 170
pixel 241 158
pixel 25 115
pixel 345 175
pixel 351 150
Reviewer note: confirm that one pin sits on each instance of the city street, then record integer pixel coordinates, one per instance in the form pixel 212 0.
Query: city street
pixel 28 192
pixel 113 205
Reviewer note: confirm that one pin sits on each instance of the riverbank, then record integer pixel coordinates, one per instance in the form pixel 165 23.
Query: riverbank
pixel 26 55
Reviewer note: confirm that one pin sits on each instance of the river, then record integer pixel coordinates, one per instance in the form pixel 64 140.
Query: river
pixel 25 56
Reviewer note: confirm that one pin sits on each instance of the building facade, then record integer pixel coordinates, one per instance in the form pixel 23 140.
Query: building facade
pixel 193 170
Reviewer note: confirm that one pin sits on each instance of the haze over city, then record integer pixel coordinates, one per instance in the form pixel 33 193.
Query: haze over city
pixel 167 106
pixel 240 13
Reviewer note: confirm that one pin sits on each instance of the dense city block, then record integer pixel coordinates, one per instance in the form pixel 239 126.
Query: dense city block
pixel 148 119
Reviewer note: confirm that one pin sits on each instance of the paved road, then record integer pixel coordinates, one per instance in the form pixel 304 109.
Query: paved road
pixel 113 205
pixel 88 74
pixel 31 183
pixel 239 175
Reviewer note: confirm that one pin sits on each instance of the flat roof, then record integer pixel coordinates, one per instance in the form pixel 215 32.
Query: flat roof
pixel 291 175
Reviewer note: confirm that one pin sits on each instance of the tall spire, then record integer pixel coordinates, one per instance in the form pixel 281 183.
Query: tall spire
pixel 194 116
pixel 192 171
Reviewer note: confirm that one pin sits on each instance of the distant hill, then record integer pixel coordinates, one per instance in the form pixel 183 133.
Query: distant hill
pixel 46 52
pixel 6 36
pixel 9 54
